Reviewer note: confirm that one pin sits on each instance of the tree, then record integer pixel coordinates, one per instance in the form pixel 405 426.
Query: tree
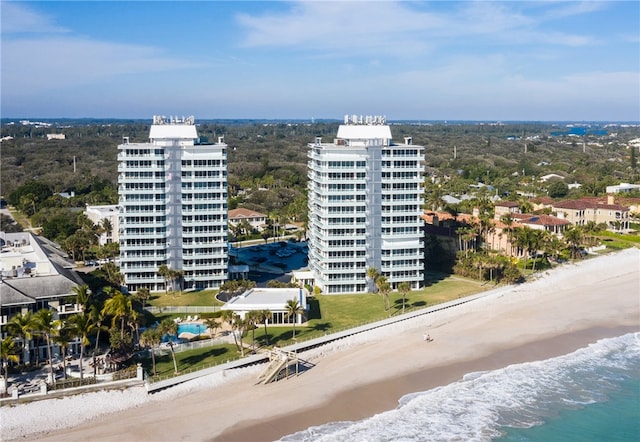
pixel 372 274
pixel 151 338
pixel 81 327
pixel 212 326
pixel 169 327
pixel 293 309
pixel 45 325
pixel 558 189
pixel 83 296
pixel 97 317
pixel 143 294
pixel 119 307
pixel 61 337
pixel 251 320
pixel 265 316
pixel 574 237
pixel 384 288
pixel 8 353
pixel 404 288
pixel 164 271
pixel 22 326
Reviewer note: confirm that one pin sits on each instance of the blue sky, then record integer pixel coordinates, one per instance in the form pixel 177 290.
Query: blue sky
pixel 441 60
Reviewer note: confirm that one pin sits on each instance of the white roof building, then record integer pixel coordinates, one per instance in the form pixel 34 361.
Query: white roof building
pixel 273 299
pixel 622 187
pixel 98 214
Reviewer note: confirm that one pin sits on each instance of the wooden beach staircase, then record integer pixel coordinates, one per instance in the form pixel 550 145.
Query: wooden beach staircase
pixel 279 367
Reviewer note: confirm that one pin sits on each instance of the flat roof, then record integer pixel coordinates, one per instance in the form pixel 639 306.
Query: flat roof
pixel 364 131
pixel 173 132
pixel 261 298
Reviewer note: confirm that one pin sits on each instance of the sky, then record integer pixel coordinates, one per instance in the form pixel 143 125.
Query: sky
pixel 426 60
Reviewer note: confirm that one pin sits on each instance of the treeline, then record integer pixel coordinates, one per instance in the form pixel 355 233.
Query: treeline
pixel 267 164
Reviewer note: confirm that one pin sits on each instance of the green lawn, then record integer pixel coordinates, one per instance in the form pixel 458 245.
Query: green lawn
pixel 191 360
pixel 328 314
pixel 200 297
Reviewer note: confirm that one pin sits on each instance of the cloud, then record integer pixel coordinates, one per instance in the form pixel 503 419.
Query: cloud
pixel 404 29
pixel 19 18
pixel 346 28
pixel 37 64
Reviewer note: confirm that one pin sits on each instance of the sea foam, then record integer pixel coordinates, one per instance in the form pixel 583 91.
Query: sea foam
pixel 481 405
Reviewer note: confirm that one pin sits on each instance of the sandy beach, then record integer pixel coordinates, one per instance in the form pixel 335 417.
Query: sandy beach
pixel 562 310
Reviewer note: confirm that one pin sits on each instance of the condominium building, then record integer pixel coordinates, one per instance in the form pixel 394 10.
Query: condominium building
pixel 365 202
pixel 173 207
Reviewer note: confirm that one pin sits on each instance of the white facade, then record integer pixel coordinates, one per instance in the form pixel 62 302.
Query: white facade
pixel 173 207
pixel 365 203
pixel 98 214
pixel 273 299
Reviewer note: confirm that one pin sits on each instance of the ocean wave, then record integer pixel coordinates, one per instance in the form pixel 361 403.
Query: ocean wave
pixel 482 404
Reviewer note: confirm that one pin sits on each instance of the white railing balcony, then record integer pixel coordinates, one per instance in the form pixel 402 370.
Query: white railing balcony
pixel 67 309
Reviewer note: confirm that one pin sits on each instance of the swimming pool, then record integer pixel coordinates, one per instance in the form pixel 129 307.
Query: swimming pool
pixel 194 328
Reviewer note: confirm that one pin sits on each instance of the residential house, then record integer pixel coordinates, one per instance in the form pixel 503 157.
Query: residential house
pixel 579 212
pixel 257 220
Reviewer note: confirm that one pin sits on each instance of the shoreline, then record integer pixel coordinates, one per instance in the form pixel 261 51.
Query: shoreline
pixel 366 400
pixel 560 311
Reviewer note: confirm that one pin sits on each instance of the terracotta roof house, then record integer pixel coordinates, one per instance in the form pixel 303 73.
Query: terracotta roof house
pixel 256 219
pixel 580 212
pixel 549 223
pixel 503 208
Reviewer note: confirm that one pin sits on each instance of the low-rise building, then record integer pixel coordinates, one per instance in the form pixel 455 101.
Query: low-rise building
pixel 273 299
pixel 35 277
pixel 109 229
pixel 257 220
pixel 580 212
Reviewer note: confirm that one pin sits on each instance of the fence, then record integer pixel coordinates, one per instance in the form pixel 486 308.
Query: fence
pixel 172 309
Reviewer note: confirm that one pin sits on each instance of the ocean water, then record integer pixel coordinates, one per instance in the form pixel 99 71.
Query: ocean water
pixel 592 394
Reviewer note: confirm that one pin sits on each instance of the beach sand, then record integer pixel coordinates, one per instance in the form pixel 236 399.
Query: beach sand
pixel 563 310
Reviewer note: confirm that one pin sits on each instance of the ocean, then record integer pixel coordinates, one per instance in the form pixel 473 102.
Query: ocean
pixel 592 394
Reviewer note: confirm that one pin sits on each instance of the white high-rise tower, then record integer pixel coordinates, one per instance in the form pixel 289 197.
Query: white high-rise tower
pixel 173 207
pixel 365 201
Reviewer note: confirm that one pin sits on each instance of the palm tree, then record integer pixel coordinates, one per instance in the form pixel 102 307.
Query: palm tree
pixel 164 271
pixel 46 326
pixel 574 237
pixel 404 288
pixel 384 288
pixel 83 296
pixel 22 325
pixel 142 295
pixel 97 317
pixel 293 309
pixel 238 327
pixel 9 352
pixel 508 222
pixel 169 327
pixel 61 337
pixel 82 326
pixel 265 316
pixel 212 326
pixel 372 274
pixel 251 320
pixel 151 337
pixel 119 306
pixel 229 317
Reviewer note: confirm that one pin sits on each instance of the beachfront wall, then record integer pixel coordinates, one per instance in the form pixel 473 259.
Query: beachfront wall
pixel 272 299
